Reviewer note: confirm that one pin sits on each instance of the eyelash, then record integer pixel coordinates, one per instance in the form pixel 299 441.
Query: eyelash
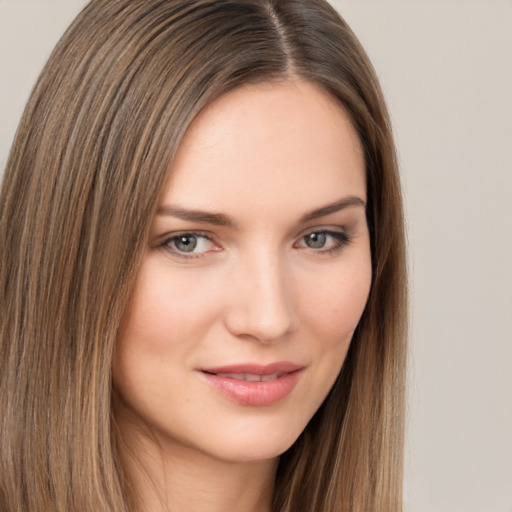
pixel 340 240
pixel 166 245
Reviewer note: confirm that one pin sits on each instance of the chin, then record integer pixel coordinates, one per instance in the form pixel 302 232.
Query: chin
pixel 253 444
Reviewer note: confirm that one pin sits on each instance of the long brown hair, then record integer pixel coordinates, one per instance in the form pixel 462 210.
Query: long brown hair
pixel 88 163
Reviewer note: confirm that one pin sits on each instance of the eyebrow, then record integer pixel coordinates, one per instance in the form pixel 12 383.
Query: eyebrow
pixel 346 202
pixel 219 219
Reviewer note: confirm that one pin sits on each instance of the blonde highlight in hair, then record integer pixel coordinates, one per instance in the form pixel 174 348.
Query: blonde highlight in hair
pixel 83 179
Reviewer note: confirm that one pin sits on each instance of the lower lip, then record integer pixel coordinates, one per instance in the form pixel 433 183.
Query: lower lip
pixel 254 393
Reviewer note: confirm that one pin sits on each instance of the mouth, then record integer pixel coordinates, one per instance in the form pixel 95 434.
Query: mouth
pixel 250 377
pixel 254 385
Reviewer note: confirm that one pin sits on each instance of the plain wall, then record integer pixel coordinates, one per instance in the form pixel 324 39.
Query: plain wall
pixel 446 69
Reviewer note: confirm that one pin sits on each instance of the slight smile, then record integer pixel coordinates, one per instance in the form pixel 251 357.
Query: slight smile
pixel 253 384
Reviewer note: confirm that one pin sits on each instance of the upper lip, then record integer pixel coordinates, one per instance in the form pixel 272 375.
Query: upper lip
pixel 256 369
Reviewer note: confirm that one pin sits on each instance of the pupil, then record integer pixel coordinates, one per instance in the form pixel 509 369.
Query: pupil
pixel 186 243
pixel 316 240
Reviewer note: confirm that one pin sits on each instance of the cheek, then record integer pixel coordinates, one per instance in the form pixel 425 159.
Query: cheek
pixel 329 313
pixel 160 331
pixel 333 309
pixel 163 310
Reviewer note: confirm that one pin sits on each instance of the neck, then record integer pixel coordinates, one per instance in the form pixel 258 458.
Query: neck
pixel 166 476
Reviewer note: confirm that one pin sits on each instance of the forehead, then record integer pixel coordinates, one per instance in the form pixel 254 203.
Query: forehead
pixel 280 146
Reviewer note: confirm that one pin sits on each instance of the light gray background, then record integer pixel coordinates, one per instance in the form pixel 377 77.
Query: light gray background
pixel 446 69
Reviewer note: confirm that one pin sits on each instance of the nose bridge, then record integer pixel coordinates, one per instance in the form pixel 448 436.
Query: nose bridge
pixel 262 305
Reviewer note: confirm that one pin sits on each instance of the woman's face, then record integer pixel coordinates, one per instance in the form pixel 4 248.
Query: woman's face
pixel 255 276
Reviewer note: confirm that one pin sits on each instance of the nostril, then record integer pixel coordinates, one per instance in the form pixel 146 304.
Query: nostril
pixel 266 323
pixel 261 305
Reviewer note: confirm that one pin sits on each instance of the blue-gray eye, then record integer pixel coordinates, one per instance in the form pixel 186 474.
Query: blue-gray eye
pixel 185 243
pixel 316 240
pixel 324 241
pixel 189 244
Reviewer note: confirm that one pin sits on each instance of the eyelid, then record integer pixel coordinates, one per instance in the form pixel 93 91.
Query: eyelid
pixel 168 238
pixel 340 236
pixel 330 230
pixel 338 233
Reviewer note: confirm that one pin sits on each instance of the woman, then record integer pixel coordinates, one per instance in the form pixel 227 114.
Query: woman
pixel 203 273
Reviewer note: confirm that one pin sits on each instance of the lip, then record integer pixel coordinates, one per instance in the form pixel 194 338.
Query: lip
pixel 281 376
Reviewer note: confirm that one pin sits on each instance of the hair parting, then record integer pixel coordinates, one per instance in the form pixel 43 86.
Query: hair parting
pixel 83 178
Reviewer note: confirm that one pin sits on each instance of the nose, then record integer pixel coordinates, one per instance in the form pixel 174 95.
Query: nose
pixel 261 305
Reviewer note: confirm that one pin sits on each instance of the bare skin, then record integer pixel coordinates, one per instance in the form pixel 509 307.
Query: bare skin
pixel 204 484
pixel 256 273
